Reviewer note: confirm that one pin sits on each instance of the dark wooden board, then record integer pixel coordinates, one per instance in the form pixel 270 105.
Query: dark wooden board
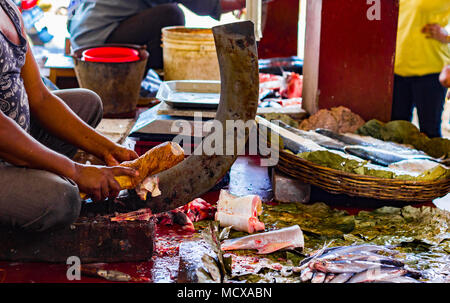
pixel 94 239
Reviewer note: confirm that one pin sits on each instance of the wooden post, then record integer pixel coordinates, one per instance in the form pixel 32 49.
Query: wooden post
pixel 349 56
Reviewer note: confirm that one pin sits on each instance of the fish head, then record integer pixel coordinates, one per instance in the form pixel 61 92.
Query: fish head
pixel 320 265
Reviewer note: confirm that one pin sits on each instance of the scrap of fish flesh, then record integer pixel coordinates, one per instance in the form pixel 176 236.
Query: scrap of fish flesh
pixel 240 223
pixel 248 206
pixel 239 212
pixel 376 274
pixel 143 214
pixel 268 242
pixel 149 185
pixel 414 166
pixel 198 210
pixel 194 211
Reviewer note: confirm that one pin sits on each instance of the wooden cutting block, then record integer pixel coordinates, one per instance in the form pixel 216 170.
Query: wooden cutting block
pixel 93 240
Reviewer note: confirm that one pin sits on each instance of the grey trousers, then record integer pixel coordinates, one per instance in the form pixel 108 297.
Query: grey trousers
pixel 37 200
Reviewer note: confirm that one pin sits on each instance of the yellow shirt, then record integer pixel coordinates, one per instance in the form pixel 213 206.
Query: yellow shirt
pixel 415 54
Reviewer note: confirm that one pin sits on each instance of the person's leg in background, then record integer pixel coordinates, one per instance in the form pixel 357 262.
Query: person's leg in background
pixel 85 103
pixel 145 29
pixel 429 98
pixel 402 102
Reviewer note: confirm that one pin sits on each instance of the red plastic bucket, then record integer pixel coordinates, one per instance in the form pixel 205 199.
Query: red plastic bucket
pixel 110 54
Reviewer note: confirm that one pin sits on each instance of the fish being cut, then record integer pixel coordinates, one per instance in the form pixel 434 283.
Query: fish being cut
pixel 240 223
pixel 149 185
pixel 239 212
pixel 268 242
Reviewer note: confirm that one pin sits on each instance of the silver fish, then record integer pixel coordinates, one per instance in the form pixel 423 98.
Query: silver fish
pixel 364 256
pixel 318 277
pixel 291 141
pixel 333 252
pixel 354 139
pixel 343 266
pixel 401 279
pixel 377 274
pixel 322 140
pixel 341 278
pixel 381 156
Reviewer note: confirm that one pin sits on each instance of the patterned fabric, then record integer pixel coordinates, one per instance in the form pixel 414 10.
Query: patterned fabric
pixel 13 97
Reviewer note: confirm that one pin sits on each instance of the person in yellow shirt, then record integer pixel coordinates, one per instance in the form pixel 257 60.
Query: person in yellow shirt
pixel 422 52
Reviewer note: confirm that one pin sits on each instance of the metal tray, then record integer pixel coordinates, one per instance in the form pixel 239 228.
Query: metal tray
pixel 190 93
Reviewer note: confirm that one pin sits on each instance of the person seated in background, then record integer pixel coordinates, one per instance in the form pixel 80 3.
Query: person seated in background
pixel 422 51
pixel 40 131
pixel 94 22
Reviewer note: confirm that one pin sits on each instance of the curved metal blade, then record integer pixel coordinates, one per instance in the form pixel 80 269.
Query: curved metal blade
pixel 238 61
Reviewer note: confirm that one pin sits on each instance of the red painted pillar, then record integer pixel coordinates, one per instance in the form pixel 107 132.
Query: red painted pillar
pixel 280 29
pixel 349 59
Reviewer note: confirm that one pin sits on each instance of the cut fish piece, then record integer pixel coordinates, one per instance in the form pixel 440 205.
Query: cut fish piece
pixel 248 206
pixel 292 235
pixel 239 212
pixel 240 223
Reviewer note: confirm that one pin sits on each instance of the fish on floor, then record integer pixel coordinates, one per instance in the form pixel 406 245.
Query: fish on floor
pixel 268 242
pixel 355 264
pixel 239 212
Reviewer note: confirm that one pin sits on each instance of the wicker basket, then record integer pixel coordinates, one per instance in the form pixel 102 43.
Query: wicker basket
pixel 339 182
